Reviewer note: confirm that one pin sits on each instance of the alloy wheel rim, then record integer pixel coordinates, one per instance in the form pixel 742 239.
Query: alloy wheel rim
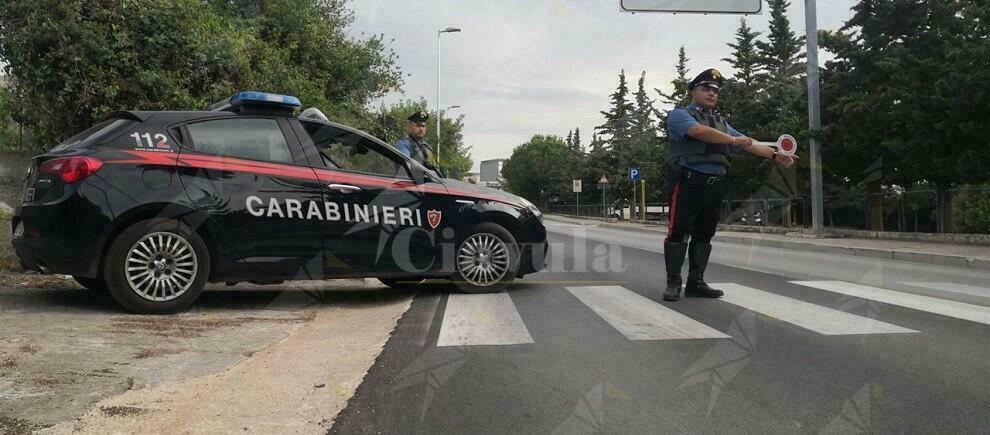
pixel 483 259
pixel 161 266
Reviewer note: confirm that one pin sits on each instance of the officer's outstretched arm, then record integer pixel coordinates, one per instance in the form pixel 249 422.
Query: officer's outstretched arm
pixel 709 135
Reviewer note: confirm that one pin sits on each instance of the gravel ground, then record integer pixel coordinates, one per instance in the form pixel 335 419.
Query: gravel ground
pixel 247 356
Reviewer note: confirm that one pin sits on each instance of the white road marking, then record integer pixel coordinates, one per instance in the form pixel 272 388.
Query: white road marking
pixel 639 318
pixel 823 320
pixel 958 310
pixel 482 320
pixel 951 287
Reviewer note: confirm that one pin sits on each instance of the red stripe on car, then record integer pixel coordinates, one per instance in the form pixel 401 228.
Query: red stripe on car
pixel 221 163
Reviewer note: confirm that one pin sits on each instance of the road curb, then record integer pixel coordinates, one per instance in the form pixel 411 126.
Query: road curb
pixel 885 254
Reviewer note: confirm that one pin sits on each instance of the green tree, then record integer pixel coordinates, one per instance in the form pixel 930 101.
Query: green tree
pixel 455 155
pixel 576 145
pixel 745 58
pixel 893 93
pixel 680 95
pixel 534 170
pixel 75 60
pixel 618 126
pixel 648 154
pixel 779 59
pixel 10 138
pixel 744 102
pixel 781 54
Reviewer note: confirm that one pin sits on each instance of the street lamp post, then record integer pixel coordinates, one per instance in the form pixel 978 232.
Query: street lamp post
pixel 440 32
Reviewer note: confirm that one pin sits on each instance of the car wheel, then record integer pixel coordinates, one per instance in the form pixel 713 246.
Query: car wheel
pixel 401 282
pixel 157 266
pixel 487 259
pixel 93 284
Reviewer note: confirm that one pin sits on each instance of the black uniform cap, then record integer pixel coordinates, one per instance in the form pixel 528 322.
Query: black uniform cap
pixel 711 78
pixel 419 116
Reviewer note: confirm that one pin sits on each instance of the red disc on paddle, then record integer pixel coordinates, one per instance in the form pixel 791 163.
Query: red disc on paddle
pixel 787 145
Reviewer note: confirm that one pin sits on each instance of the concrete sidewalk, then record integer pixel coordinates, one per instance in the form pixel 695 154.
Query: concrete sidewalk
pixel 969 256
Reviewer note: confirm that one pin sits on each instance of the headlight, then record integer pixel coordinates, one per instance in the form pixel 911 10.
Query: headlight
pixel 532 207
pixel 18 230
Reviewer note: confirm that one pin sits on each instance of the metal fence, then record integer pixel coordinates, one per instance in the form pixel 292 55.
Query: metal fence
pixel 902 211
pixel 596 211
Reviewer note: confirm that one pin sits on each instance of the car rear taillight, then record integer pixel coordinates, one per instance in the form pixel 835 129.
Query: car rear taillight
pixel 72 169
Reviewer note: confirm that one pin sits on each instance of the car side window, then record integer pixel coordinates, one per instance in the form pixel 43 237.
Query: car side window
pixel 249 138
pixel 342 149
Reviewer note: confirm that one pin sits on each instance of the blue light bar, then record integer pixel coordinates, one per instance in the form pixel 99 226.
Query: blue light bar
pixel 264 98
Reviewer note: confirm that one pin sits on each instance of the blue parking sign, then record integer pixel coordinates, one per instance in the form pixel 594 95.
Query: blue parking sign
pixel 634 174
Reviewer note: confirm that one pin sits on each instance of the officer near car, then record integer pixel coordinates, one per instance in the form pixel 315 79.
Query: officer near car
pixel 412 145
pixel 701 143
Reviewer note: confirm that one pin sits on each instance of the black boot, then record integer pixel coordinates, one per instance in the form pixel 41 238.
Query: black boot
pixel 673 255
pixel 697 262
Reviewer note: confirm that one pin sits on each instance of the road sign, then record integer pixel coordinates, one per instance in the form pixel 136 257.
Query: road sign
pixel 577 186
pixel 634 174
pixel 693 6
pixel 603 180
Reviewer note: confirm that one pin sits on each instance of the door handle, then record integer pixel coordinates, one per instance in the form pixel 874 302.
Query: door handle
pixel 344 188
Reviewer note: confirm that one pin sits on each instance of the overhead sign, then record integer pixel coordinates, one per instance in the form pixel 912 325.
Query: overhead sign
pixel 577 186
pixel 693 6
pixel 634 174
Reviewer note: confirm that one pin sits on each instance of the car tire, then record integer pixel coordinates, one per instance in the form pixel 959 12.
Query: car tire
pixel 94 284
pixel 486 259
pixel 400 283
pixel 169 264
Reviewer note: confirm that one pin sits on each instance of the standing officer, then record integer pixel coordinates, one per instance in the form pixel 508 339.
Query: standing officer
pixel 412 145
pixel 701 142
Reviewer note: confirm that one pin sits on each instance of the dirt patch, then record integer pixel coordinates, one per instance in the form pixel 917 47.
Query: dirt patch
pixel 16 426
pixel 295 386
pixel 7 362
pixel 34 280
pixel 29 349
pixel 156 352
pixel 51 382
pixel 121 411
pixel 190 327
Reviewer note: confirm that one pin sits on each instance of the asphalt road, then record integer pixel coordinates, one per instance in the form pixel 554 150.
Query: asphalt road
pixel 802 343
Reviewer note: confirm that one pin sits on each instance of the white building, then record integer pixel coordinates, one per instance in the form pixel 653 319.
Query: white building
pixel 491 172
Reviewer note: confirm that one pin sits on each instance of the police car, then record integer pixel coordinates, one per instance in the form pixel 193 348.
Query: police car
pixel 153 205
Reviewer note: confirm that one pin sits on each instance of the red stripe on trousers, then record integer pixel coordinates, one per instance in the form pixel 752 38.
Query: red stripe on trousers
pixel 673 209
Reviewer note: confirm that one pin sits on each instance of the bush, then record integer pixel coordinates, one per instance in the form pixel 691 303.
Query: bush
pixel 971 211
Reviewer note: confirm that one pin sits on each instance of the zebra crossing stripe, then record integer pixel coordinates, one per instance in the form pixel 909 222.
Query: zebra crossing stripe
pixel 482 320
pixel 951 287
pixel 823 320
pixel 957 310
pixel 639 318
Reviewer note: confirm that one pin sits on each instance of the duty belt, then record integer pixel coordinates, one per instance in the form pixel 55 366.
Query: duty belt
pixel 699 177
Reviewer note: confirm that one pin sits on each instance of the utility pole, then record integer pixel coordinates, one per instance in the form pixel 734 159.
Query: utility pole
pixel 814 117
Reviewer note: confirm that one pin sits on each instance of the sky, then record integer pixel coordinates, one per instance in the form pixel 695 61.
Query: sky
pixel 525 67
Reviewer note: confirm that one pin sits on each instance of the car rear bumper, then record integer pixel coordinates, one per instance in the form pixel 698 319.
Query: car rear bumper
pixel 53 239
